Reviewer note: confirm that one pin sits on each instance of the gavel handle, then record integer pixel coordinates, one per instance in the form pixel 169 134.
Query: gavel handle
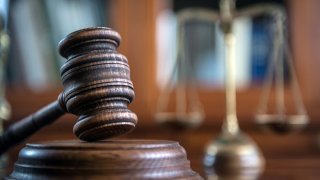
pixel 21 130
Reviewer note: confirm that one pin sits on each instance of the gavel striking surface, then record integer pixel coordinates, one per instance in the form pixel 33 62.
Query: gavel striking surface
pixel 112 159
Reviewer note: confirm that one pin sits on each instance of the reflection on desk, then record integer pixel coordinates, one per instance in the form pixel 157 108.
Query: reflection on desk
pixel 284 168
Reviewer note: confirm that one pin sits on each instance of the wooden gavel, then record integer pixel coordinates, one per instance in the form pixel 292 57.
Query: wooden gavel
pixel 97 88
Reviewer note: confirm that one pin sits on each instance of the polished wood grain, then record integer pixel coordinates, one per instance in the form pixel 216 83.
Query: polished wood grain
pixel 97 88
pixel 112 159
pixel 97 84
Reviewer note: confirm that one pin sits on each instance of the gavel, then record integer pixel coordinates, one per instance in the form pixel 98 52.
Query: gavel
pixel 97 88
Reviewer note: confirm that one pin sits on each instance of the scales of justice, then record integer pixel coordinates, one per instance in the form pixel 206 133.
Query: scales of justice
pixel 98 89
pixel 233 154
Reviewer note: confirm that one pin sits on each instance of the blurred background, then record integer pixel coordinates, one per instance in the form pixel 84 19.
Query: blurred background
pixel 150 42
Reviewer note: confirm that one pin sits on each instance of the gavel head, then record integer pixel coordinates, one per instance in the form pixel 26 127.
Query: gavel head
pixel 97 85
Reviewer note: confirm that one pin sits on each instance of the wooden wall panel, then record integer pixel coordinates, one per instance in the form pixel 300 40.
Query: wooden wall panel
pixel 135 21
pixel 305 28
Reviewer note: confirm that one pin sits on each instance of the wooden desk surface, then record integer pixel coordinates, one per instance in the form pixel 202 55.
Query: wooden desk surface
pixel 304 167
pixel 290 157
pixel 293 156
pixel 282 168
